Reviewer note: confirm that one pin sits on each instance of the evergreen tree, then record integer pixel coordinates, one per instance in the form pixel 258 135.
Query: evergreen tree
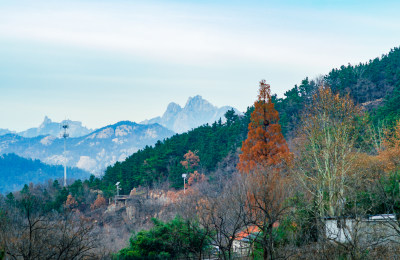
pixel 265 145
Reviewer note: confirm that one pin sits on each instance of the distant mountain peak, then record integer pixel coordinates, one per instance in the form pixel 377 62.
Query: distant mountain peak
pixel 46 120
pixel 196 101
pixel 49 127
pixel 92 152
pixel 173 108
pixel 197 111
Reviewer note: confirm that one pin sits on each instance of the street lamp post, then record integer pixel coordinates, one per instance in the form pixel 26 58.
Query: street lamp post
pixel 184 181
pixel 118 188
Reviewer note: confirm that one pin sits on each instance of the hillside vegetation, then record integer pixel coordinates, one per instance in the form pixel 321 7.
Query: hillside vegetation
pixel 15 171
pixel 312 175
pixel 376 80
pixel 161 163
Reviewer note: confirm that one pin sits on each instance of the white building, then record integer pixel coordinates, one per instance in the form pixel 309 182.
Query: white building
pixel 376 229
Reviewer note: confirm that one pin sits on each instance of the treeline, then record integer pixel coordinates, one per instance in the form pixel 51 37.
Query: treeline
pixel 161 163
pixel 366 82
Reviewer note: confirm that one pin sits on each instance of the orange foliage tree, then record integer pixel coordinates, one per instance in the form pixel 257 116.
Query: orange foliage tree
pixel 98 203
pixel 195 177
pixel 70 203
pixel 265 145
pixel 190 163
pixel 191 160
pixel 265 155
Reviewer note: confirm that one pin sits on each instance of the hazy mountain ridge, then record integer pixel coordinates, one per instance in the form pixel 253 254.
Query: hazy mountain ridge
pixel 92 152
pixel 196 112
pixel 5 131
pixel 48 127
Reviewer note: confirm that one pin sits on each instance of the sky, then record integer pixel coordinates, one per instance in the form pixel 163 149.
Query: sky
pixel 101 62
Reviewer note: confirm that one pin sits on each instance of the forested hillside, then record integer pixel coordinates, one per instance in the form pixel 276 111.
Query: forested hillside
pixel 376 84
pixel 368 81
pixel 16 171
pixel 161 162
pixel 378 78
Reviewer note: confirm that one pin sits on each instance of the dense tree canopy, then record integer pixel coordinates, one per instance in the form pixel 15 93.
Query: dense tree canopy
pixel 162 162
pixel 175 239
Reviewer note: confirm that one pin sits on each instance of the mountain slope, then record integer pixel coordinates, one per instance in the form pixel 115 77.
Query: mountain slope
pixel 4 131
pixel 16 171
pixel 93 152
pixel 374 85
pixel 196 112
pixel 368 81
pixel 161 162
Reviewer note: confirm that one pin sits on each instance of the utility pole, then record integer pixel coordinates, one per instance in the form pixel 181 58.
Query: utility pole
pixel 65 135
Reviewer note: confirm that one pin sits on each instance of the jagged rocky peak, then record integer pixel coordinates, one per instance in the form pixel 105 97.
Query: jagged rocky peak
pixel 46 121
pixel 173 108
pixel 198 103
pixel 197 111
pixel 49 127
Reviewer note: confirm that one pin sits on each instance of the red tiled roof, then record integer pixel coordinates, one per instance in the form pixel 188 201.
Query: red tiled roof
pixel 247 232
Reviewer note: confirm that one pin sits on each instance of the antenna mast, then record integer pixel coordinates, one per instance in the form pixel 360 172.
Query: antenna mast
pixel 65 126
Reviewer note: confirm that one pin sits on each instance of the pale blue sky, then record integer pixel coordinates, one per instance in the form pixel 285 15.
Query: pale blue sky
pixel 100 62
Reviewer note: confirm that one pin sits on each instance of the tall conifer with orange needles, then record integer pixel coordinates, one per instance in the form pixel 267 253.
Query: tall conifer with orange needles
pixel 264 156
pixel 265 145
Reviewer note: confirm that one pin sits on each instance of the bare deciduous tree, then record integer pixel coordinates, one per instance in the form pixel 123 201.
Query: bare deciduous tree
pixel 26 232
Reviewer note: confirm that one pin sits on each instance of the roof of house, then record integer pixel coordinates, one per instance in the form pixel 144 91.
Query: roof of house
pixel 248 231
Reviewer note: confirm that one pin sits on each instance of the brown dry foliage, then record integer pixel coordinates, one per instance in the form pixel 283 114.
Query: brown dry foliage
pixel 191 160
pixel 99 202
pixel 265 145
pixel 390 154
pixel 194 178
pixel 71 203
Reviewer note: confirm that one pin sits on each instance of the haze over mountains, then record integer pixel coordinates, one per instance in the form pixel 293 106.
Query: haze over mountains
pixel 93 151
pixel 48 127
pixel 197 111
pixel 5 131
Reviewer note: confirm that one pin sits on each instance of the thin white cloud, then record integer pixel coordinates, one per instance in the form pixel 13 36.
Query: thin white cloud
pixel 176 37
pixel 218 50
